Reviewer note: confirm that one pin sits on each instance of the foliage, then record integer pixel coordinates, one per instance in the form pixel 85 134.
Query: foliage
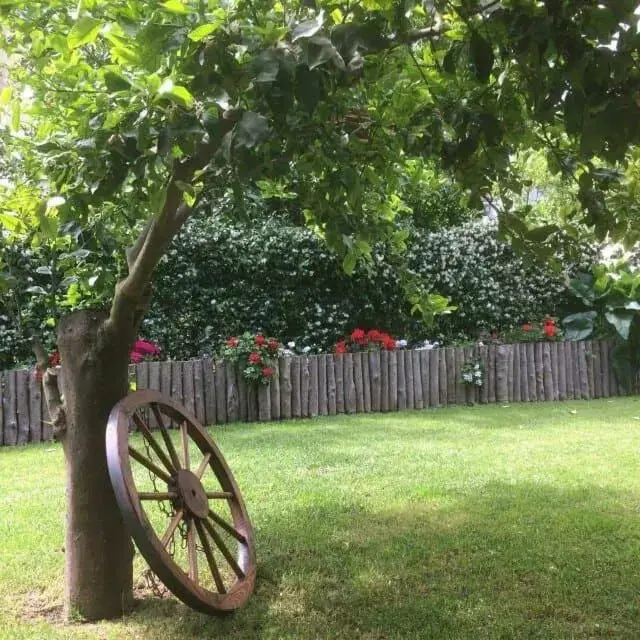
pixel 361 340
pixel 255 355
pixel 472 372
pixel 546 330
pixel 609 303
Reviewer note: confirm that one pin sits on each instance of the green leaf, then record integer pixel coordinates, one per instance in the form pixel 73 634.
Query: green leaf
pixel 84 31
pixel 482 58
pixel 176 93
pixel 251 129
pixel 308 28
pixel 579 326
pixel 540 234
pixel 116 82
pixel 5 95
pixel 350 261
pixel 38 290
pixel 175 6
pixel 204 30
pixel 15 115
pixel 621 320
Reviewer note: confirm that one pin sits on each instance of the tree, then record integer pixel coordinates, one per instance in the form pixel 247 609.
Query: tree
pixel 129 111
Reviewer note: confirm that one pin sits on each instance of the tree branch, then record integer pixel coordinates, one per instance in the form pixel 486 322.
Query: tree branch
pixel 51 388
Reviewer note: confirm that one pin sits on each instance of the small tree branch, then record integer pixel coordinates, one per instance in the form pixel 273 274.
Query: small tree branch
pixel 51 388
pixel 132 252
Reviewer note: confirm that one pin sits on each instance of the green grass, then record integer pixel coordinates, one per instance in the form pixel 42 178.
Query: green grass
pixel 485 522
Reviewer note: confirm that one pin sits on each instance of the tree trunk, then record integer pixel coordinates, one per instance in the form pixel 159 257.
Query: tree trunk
pixel 98 549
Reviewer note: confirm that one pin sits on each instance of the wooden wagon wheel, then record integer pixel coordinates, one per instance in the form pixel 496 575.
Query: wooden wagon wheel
pixel 197 501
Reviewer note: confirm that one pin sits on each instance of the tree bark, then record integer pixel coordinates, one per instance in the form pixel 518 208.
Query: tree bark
pixel 98 549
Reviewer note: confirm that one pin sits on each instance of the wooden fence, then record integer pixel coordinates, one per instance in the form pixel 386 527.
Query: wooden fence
pixel 350 383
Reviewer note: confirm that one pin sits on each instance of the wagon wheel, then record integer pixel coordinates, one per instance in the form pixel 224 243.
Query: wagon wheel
pixel 192 498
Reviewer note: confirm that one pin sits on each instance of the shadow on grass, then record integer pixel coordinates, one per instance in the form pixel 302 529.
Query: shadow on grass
pixel 514 561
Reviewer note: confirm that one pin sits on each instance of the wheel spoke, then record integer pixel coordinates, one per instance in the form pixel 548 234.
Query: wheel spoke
pixel 185 444
pixel 165 436
pixel 157 496
pixel 227 527
pixel 210 559
pixel 146 432
pixel 173 525
pixel 145 462
pixel 203 465
pixel 219 495
pixel 191 547
pixel 223 549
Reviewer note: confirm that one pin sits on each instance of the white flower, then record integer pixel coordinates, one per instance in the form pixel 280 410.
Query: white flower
pixel 291 345
pixel 306 350
pixel 401 343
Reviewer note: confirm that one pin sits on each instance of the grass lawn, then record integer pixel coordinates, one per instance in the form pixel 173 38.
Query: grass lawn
pixel 484 522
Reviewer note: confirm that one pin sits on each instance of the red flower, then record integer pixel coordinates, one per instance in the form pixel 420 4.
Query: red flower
pixel 273 345
pixel 260 340
pixel 267 372
pixel 550 329
pixel 341 347
pixel 233 342
pixel 358 335
pixel 526 327
pixel 374 335
pixel 255 357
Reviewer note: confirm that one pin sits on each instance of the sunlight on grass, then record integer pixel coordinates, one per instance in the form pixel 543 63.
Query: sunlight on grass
pixel 484 522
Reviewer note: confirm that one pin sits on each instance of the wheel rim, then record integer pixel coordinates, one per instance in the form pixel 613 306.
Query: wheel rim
pixel 192 497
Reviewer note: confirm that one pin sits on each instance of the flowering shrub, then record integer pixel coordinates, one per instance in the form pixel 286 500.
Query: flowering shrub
pixel 144 350
pixel 361 340
pixel 546 330
pixel 473 372
pixel 255 354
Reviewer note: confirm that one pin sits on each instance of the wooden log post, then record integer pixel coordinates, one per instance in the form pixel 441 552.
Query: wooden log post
pixel 375 380
pixel 198 388
pixel 286 388
pixel 597 369
pixel 408 379
pixel 208 378
pixel 332 401
pixel 323 406
pixel 393 381
pixel 243 399
pixel 231 392
pixel 531 371
pixel 35 410
pixel 483 396
pixel 401 385
pixel 472 390
pixel 450 358
pixel 252 401
pixel 539 356
pixel 221 390
pixel 490 373
pixel 577 380
pixel 274 387
pixel 366 383
pixel 358 382
pixel 443 382
pixel 349 384
pixel 425 376
pixel 510 372
pixel 338 365
pixel 165 378
pixel 460 386
pixel 614 389
pixel 547 372
pixel 22 405
pixel 10 409
pixel 416 362
pixel 384 380
pixel 264 402
pixel 562 371
pixel 296 388
pixel 188 387
pixel 313 387
pixel 176 384
pixel 583 370
pixel 524 373
pixel 568 368
pixel 502 368
pixel 305 376
pixel 604 365
pixel 590 358
pixel 434 377
pixel 554 370
pixel 516 370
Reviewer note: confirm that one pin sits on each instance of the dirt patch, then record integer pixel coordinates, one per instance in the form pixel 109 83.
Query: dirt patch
pixel 38 606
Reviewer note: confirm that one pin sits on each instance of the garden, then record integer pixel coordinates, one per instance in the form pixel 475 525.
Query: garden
pixel 319 319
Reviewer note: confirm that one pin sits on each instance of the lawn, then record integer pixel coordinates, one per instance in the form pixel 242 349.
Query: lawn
pixel 484 522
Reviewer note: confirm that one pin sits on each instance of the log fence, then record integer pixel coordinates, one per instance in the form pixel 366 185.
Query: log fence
pixel 331 384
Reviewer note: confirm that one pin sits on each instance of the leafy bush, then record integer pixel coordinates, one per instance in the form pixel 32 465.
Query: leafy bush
pixel 222 279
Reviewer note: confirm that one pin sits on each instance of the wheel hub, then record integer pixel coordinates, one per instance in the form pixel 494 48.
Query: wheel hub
pixel 191 493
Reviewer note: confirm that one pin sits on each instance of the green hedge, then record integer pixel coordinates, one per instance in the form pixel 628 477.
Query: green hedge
pixel 221 279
